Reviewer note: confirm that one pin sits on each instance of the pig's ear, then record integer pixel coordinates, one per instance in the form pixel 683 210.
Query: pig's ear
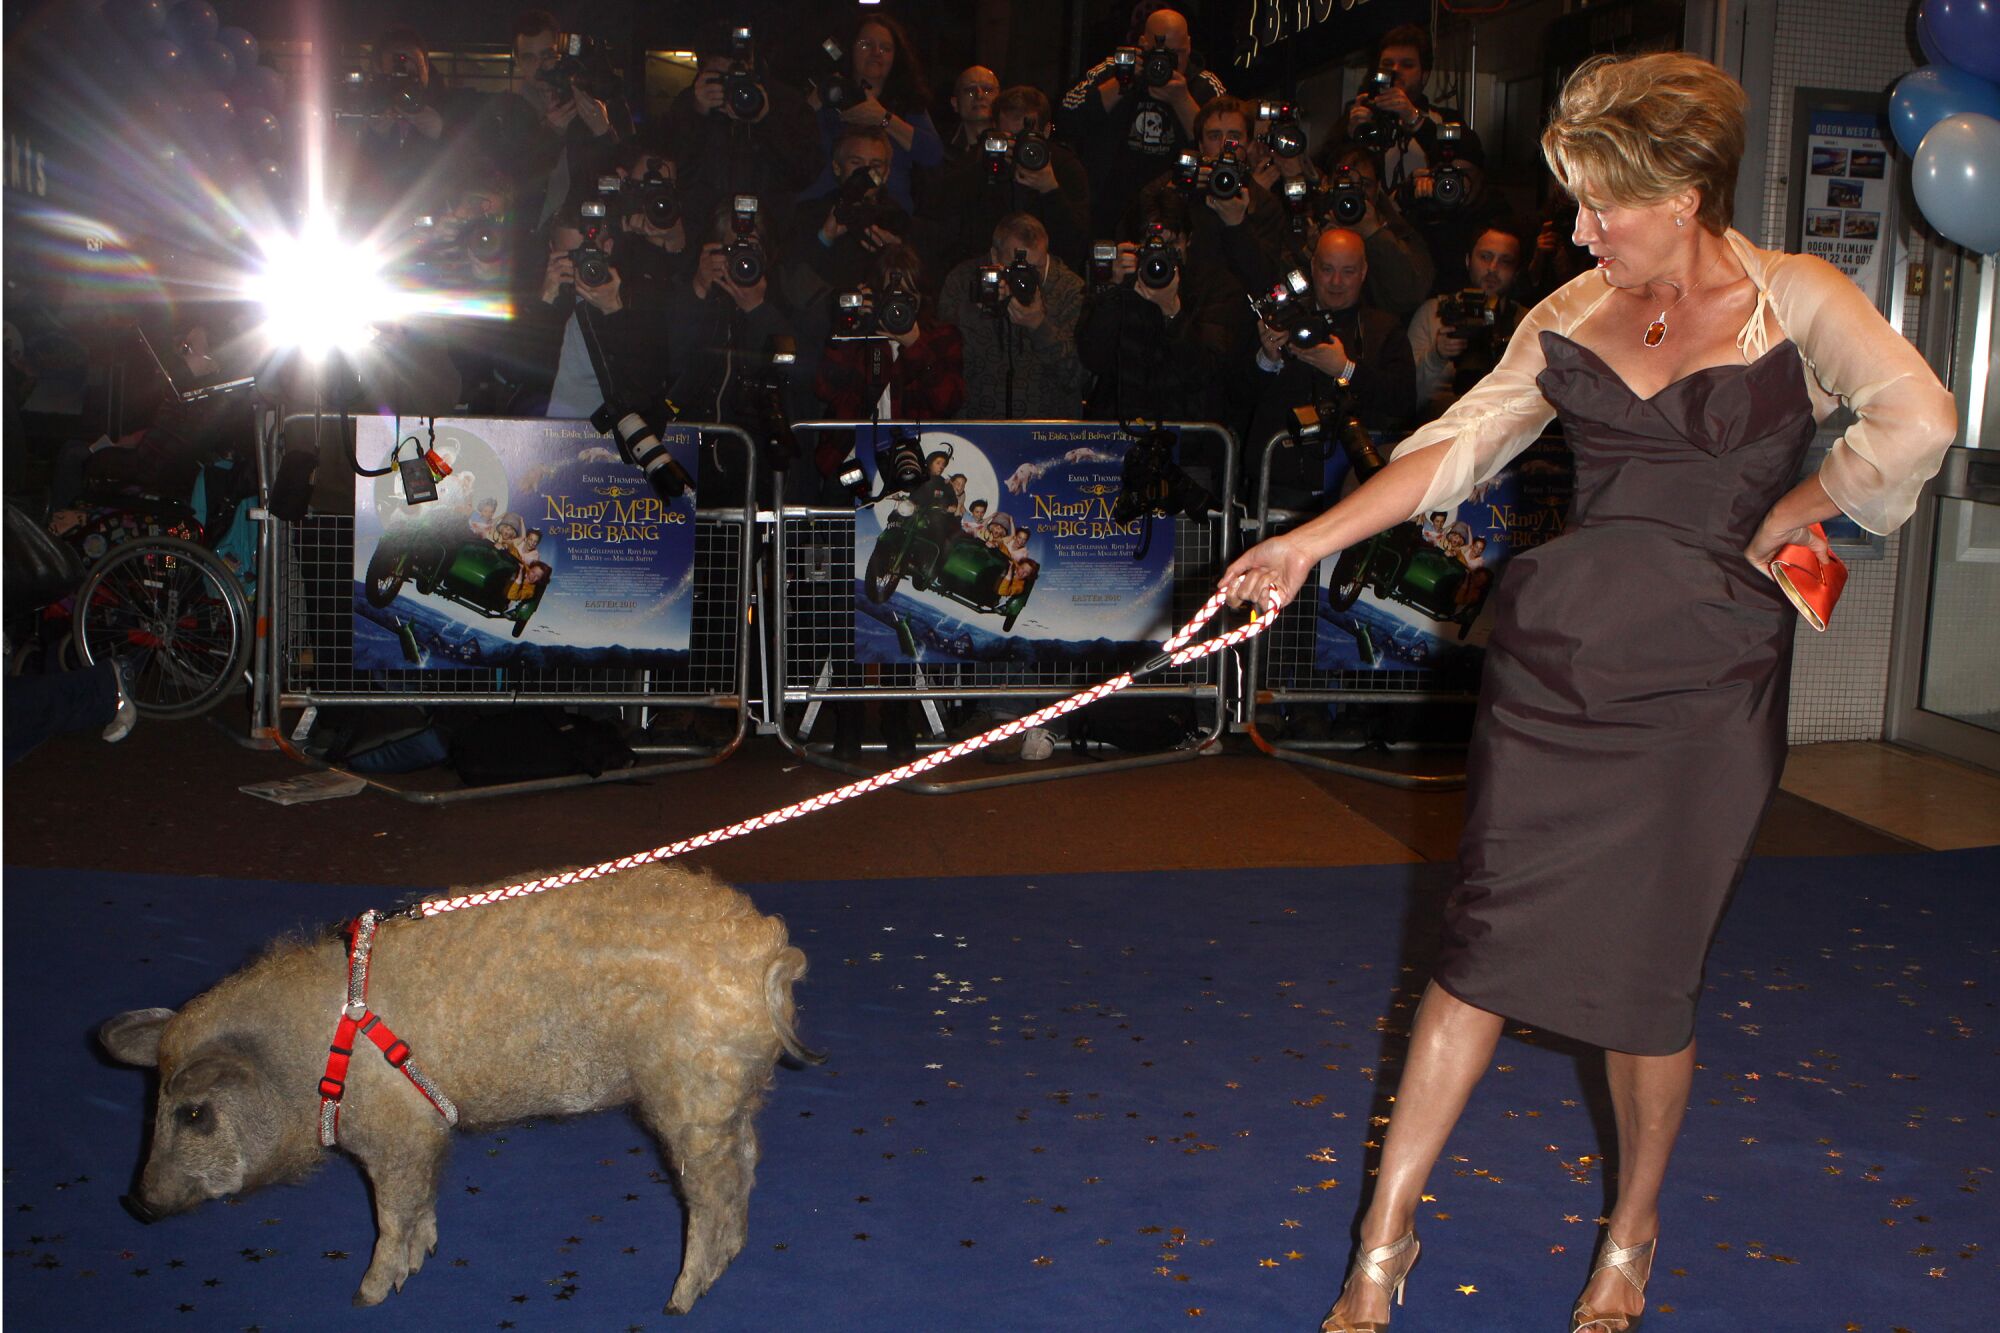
pixel 133 1038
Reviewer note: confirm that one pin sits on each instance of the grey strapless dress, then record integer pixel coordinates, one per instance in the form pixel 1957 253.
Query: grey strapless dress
pixel 1631 722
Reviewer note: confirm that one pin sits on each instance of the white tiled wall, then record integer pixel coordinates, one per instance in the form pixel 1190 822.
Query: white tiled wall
pixel 1840 678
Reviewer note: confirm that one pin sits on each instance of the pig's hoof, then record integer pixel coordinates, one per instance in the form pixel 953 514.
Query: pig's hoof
pixel 675 1307
pixel 362 1297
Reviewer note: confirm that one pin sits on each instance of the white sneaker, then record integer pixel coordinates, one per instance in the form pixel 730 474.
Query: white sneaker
pixel 127 715
pixel 1037 744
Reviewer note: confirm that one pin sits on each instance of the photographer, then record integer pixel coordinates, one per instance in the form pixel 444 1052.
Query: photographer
pixel 839 234
pixel 580 282
pixel 1243 232
pixel 1128 130
pixel 655 219
pixel 765 145
pixel 914 375
pixel 972 95
pixel 1020 351
pixel 1360 358
pixel 967 196
pixel 405 142
pixel 1160 335
pixel 565 141
pixel 719 363
pixel 1456 339
pixel 1400 112
pixel 1400 270
pixel 895 99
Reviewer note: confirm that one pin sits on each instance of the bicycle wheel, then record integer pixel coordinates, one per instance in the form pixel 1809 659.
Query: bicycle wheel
pixel 174 616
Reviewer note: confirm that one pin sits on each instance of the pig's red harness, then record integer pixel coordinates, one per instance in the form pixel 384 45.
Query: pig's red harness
pixel 356 1018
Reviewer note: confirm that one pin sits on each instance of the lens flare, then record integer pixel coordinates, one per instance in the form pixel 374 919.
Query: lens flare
pixel 319 293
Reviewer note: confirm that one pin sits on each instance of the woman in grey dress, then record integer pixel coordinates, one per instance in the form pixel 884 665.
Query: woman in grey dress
pixel 1631 724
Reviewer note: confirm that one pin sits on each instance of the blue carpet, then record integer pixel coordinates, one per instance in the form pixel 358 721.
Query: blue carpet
pixel 1133 1101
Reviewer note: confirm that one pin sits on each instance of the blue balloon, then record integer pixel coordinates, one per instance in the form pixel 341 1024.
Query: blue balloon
pixel 1968 34
pixel 1926 96
pixel 213 116
pixel 241 44
pixel 1933 54
pixel 1956 178
pixel 263 133
pixel 138 19
pixel 163 55
pixel 260 86
pixel 194 21
pixel 218 63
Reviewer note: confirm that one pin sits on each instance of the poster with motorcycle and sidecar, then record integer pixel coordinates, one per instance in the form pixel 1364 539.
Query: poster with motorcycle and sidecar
pixel 996 542
pixel 542 548
pixel 1412 598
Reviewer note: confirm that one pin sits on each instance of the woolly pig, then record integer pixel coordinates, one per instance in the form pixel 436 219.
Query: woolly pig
pixel 657 988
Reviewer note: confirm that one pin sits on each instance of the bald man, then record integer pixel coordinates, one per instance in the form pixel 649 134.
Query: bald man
pixel 1368 350
pixel 1127 133
pixel 972 101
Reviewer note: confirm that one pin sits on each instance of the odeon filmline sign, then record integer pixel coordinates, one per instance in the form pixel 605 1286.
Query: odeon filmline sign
pixel 1274 21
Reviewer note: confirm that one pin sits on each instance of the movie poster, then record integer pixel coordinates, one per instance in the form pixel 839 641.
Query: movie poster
pixel 1412 598
pixel 544 548
pixel 1007 552
pixel 1848 195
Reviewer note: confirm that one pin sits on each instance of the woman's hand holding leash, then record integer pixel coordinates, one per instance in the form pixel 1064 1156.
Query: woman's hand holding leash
pixel 1277 565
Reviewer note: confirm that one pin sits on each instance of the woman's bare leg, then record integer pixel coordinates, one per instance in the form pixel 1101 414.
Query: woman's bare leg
pixel 1451 1044
pixel 1649 1096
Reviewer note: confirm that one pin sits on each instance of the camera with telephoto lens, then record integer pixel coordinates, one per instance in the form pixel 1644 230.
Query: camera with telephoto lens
pixel 839 89
pixel 1159 259
pixel 1347 199
pixel 1157 65
pixel 744 256
pixel 742 90
pixel 1289 308
pixel 1153 482
pixel 655 198
pixel 899 464
pixel 996 284
pixel 1484 322
pixel 1225 175
pixel 639 444
pixel 853 205
pixel 1445 185
pixel 1279 127
pixel 896 311
pixel 593 266
pixel 1331 424
pixel 582 65
pixel 1031 149
pixel 1381 128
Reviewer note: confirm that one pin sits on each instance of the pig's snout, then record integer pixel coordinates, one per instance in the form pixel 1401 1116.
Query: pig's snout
pixel 140 1209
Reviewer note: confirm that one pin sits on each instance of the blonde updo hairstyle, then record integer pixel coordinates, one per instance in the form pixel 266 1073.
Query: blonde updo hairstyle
pixel 1633 130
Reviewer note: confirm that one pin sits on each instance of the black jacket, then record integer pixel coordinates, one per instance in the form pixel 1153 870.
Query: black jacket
pixel 1152 368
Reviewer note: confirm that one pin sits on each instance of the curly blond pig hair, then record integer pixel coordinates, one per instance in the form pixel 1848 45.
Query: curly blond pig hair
pixel 1633 130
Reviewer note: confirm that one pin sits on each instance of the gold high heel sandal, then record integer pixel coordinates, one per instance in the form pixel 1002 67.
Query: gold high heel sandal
pixel 1623 1260
pixel 1380 1267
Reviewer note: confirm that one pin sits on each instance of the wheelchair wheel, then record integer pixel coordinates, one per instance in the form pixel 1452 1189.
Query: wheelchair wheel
pixel 174 615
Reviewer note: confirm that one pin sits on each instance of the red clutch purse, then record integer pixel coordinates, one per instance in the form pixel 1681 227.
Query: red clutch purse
pixel 1812 581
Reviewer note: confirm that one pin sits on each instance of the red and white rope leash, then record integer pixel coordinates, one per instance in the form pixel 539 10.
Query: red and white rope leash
pixel 1178 650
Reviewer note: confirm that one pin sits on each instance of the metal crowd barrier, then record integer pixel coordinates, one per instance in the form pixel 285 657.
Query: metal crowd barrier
pixel 305 656
pixel 813 616
pixel 1282 671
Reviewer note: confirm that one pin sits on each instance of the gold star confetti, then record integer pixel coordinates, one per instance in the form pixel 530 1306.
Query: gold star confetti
pixel 1267 1263
pixel 1293 1254
pixel 1043 1261
pixel 1289 1222
pixel 1467 1289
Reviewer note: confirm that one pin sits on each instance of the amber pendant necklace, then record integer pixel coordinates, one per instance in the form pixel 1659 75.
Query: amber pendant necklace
pixel 1656 332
